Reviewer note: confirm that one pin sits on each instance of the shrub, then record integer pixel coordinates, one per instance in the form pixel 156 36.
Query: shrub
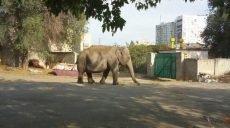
pixel 139 53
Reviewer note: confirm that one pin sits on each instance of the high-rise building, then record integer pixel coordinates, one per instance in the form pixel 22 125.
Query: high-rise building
pixel 164 32
pixel 187 27
pixel 190 27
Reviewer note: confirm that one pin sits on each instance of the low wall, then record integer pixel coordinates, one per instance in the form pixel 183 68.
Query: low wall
pixel 214 67
pixel 222 66
pixel 58 57
pixel 206 66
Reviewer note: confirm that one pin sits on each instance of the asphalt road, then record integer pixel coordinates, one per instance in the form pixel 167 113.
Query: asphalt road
pixel 34 101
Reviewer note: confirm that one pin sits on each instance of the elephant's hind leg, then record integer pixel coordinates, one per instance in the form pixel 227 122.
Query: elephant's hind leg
pixel 90 78
pixel 104 76
pixel 80 78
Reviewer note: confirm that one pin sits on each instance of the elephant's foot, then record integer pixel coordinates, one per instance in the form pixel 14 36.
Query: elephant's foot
pixel 80 81
pixel 115 83
pixel 91 81
pixel 102 81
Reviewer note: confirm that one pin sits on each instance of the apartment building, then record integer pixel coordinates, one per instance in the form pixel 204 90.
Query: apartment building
pixel 188 27
pixel 164 32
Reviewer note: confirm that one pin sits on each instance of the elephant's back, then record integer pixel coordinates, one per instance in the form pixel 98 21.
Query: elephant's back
pixel 100 52
pixel 99 49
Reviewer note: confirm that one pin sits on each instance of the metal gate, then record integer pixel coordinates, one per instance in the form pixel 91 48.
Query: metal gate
pixel 165 65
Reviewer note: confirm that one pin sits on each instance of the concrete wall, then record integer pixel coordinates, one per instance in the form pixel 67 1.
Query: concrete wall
pixel 66 57
pixel 222 66
pixel 179 65
pixel 150 64
pixel 190 69
pixel 214 67
pixel 206 66
pixel 59 57
pixel 195 54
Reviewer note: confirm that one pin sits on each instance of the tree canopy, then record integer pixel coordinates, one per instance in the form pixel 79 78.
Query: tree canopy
pixel 27 26
pixel 217 33
pixel 108 12
pixel 139 52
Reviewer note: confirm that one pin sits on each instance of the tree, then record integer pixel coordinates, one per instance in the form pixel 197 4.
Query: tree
pixel 139 53
pixel 109 12
pixel 23 23
pixel 65 28
pixel 27 26
pixel 217 33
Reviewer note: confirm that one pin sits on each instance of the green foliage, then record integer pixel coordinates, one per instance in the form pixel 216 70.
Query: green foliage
pixel 217 33
pixel 109 12
pixel 139 53
pixel 23 25
pixel 220 7
pixel 32 32
pixel 3 29
pixel 27 26
pixel 65 28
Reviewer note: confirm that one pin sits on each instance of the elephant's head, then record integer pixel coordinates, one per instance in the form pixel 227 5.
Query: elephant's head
pixel 124 58
pixel 123 55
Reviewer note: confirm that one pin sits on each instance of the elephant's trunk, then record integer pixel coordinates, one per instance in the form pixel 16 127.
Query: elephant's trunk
pixel 131 71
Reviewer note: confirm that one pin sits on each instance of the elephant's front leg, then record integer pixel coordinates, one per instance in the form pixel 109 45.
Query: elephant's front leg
pixel 115 75
pixel 90 78
pixel 104 76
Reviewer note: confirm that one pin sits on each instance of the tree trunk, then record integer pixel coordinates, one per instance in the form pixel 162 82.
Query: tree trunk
pixel 16 60
pixel 24 60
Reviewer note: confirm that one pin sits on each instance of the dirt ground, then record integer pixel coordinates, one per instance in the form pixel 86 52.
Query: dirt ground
pixel 30 100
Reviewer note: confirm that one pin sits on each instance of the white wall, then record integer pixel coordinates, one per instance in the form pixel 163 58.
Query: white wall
pixel 222 66
pixel 206 66
pixel 150 64
pixel 196 54
pixel 86 41
pixel 214 67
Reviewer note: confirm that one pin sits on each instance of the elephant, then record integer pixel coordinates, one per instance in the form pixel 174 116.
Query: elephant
pixel 97 59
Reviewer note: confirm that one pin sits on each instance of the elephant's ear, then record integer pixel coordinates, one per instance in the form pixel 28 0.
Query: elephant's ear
pixel 123 55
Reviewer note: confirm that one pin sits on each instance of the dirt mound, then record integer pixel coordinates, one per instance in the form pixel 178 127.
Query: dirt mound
pixel 225 78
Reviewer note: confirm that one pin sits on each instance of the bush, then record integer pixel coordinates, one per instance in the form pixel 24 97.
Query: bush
pixel 139 53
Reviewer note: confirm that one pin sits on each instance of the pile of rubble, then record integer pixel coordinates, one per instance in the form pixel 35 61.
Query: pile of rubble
pixel 65 69
pixel 207 78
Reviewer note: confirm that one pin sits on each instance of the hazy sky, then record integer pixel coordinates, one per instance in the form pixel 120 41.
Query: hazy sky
pixel 140 25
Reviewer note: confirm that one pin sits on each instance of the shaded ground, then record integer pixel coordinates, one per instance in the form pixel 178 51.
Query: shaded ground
pixel 38 101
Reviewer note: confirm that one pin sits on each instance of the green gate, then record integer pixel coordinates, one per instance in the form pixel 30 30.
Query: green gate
pixel 165 65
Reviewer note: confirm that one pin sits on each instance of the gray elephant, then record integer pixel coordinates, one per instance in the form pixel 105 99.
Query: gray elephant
pixel 98 59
